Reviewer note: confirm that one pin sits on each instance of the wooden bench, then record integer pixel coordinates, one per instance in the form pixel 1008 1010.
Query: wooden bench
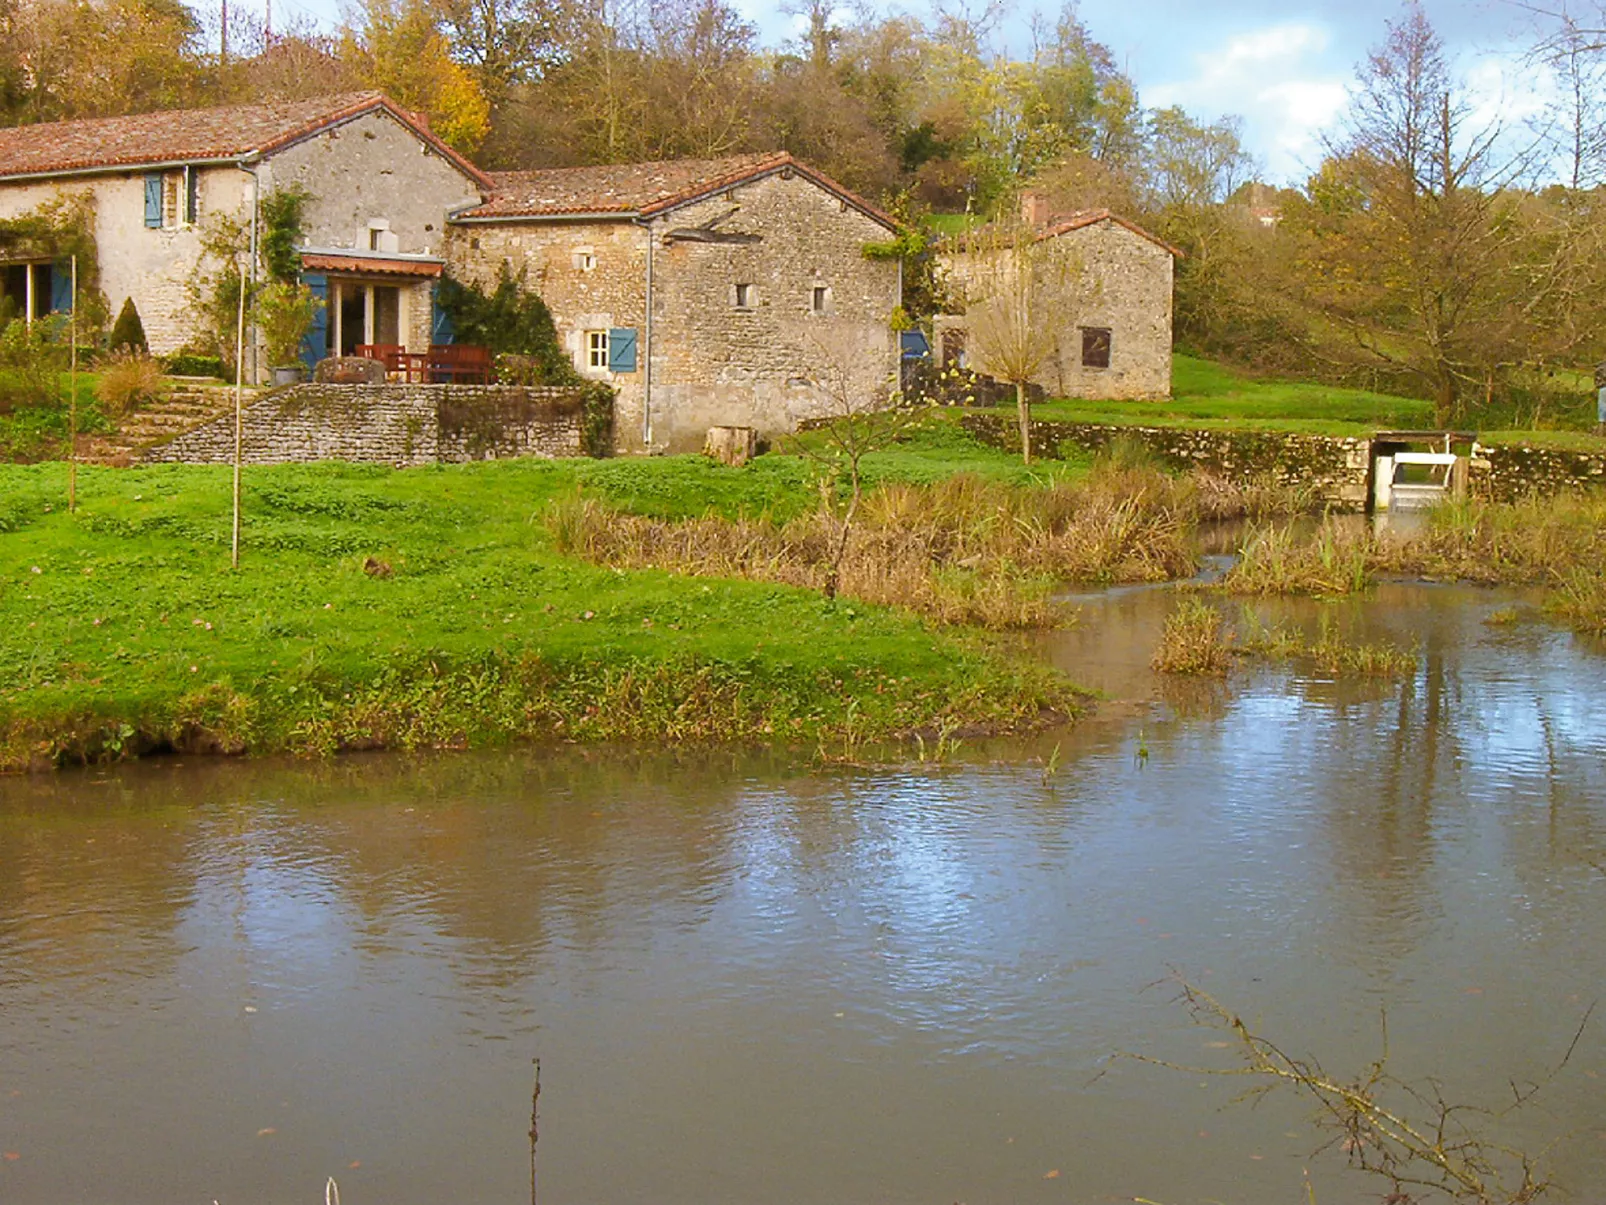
pixel 459 363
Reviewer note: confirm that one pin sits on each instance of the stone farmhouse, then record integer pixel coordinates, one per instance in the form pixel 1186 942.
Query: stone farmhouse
pixel 721 292
pixel 1111 332
pixel 381 186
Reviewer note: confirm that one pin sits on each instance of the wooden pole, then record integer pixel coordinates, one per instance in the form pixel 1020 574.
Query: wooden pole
pixel 239 395
pixel 72 400
pixel 535 1107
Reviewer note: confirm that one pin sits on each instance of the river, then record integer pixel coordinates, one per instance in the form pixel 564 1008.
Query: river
pixel 749 980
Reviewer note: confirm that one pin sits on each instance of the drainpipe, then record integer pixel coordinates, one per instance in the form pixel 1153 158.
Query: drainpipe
pixel 256 198
pixel 646 346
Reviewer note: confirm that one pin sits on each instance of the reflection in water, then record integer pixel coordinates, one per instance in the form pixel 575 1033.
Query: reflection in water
pixel 748 982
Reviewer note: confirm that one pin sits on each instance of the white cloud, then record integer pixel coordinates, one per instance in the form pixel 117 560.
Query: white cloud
pixel 1279 79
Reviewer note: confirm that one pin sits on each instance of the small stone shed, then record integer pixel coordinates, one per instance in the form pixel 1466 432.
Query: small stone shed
pixel 381 187
pixel 1110 313
pixel 709 292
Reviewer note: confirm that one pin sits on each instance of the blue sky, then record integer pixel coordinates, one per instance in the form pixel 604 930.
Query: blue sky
pixel 1281 65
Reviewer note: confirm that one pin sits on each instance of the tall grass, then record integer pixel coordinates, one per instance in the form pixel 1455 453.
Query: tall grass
pixel 1331 560
pixel 1195 641
pixel 962 550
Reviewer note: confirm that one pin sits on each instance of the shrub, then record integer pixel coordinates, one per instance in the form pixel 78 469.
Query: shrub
pixel 32 359
pixel 128 332
pixel 128 379
pixel 189 364
pixel 285 312
pixel 510 320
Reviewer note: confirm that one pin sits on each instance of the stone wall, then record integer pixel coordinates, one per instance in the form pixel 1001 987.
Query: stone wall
pixel 714 362
pixel 1103 276
pixel 390 424
pixel 1339 468
pixel 1505 473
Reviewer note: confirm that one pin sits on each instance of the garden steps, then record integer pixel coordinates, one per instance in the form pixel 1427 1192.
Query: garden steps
pixel 186 403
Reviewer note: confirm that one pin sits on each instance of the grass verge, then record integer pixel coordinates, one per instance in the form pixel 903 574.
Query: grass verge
pixel 429 608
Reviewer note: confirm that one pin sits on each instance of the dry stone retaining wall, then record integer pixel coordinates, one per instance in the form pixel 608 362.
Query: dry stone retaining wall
pixel 390 424
pixel 1505 473
pixel 1337 467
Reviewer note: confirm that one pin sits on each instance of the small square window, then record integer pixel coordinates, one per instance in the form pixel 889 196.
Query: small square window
pixel 585 259
pixel 1095 347
pixel 376 240
pixel 821 299
pixel 744 296
pixel 596 349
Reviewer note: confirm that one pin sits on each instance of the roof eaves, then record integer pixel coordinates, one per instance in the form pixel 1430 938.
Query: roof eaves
pixel 122 167
pixel 473 215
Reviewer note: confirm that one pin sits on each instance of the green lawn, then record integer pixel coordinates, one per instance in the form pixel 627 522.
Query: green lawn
pixel 126 616
pixel 1211 396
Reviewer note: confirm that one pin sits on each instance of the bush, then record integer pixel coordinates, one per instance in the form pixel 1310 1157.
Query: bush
pixel 128 332
pixel 191 364
pixel 510 321
pixel 32 359
pixel 128 379
pixel 285 312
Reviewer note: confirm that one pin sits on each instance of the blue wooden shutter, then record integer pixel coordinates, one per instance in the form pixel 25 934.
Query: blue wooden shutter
pixel 440 327
pixel 315 343
pixel 622 349
pixel 153 201
pixel 61 287
pixel 192 195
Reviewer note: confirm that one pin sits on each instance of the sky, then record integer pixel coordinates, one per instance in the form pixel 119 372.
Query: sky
pixel 1282 66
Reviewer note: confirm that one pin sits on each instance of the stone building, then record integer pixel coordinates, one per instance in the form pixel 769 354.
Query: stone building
pixel 723 292
pixel 1103 300
pixel 381 187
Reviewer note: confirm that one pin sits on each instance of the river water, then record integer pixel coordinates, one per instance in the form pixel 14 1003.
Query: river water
pixel 751 981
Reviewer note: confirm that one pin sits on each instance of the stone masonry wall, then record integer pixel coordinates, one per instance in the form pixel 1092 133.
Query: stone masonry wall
pixel 1105 276
pixel 713 363
pixel 1338 468
pixel 1504 473
pixel 389 424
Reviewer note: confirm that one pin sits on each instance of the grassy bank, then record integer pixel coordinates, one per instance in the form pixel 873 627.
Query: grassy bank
pixel 429 607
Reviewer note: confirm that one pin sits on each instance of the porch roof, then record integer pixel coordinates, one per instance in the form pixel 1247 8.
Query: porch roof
pixel 358 264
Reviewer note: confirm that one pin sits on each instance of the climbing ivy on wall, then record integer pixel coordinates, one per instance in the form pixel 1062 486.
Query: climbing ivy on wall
pixel 57 230
pixel 283 212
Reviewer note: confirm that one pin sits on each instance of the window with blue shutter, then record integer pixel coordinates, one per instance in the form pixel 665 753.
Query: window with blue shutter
pixel 61 288
pixel 153 201
pixel 440 326
pixel 315 343
pixel 622 349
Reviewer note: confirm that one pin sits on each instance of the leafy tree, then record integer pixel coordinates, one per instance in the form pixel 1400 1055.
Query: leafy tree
pixel 401 50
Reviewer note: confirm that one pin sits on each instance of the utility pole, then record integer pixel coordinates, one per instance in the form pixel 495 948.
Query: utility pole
pixel 223 43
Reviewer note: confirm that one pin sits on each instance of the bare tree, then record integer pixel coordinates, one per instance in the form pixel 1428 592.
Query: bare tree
pixel 1021 291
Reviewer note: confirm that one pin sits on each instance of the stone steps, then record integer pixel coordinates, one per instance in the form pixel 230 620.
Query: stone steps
pixel 186 403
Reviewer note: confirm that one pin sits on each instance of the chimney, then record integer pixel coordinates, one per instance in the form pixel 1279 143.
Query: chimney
pixel 1033 209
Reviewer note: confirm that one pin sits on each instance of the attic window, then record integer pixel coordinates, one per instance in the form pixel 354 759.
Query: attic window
pixel 1095 347
pixel 820 299
pixel 744 297
pixel 585 259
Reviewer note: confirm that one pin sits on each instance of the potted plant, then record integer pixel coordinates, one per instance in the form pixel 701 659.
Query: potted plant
pixel 285 312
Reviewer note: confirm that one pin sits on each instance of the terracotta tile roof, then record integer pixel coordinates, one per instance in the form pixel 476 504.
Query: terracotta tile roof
pixel 640 189
pixel 195 135
pixel 1059 225
pixel 379 265
pixel 1064 224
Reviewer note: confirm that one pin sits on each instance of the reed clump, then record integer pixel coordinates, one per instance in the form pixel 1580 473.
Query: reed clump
pixel 1195 641
pixel 962 550
pixel 1332 560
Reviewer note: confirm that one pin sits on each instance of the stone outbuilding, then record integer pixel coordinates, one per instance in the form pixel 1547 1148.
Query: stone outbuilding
pixel 720 292
pixel 1104 303
pixel 381 188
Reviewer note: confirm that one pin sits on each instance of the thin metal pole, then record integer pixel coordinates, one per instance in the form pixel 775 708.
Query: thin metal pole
pixel 72 402
pixel 239 391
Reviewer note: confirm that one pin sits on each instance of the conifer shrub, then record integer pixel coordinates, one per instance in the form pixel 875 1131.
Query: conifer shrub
pixel 128 332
